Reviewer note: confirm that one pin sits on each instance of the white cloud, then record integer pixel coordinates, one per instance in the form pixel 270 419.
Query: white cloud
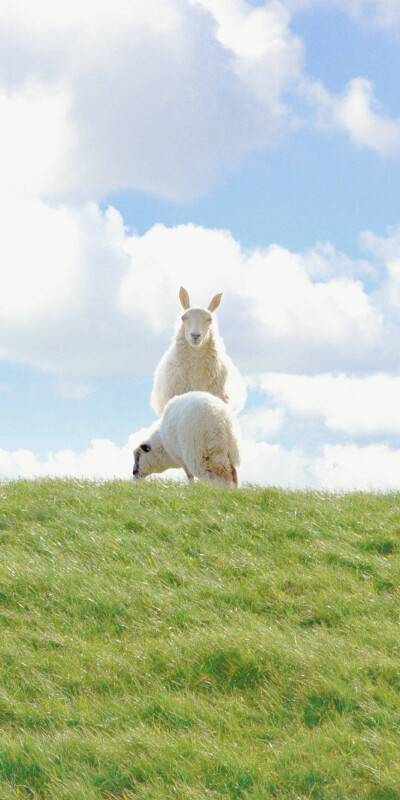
pixel 82 297
pixel 290 300
pixel 165 96
pixel 273 312
pixel 357 112
pixel 387 250
pixel 40 262
pixel 363 406
pixel 338 468
pixel 367 127
pixel 273 465
pixel 335 467
pixel 153 94
pixel 261 422
pixel 377 13
pixel 204 261
pixel 268 57
pixel 35 137
pixel 346 468
pixel 60 270
pixel 103 460
pixel 324 261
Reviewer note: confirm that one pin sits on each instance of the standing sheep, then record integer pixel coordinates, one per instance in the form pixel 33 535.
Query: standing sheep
pixel 197 432
pixel 197 360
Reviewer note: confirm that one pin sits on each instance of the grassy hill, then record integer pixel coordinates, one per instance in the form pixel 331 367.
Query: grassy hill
pixel 170 641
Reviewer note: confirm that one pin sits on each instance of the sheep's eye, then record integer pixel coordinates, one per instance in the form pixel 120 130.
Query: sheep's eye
pixel 184 318
pixel 145 447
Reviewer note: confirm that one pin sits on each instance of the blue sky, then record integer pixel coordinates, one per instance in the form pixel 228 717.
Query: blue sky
pixel 244 147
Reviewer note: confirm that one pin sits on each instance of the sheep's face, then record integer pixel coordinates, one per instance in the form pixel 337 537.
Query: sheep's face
pixel 149 457
pixel 143 465
pixel 197 326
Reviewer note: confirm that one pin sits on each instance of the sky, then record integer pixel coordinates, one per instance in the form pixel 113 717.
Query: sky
pixel 237 146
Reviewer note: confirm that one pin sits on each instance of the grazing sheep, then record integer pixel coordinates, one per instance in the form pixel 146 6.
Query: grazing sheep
pixel 197 361
pixel 198 433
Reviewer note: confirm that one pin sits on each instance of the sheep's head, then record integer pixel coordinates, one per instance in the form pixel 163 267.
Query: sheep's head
pixel 143 461
pixel 197 321
pixel 149 457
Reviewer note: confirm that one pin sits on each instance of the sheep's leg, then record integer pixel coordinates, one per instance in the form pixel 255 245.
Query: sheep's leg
pixel 234 474
pixel 190 477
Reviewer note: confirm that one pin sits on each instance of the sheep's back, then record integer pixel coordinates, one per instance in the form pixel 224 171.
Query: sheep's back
pixel 196 424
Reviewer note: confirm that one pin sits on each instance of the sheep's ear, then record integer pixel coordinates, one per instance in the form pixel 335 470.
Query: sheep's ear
pixel 184 298
pixel 215 302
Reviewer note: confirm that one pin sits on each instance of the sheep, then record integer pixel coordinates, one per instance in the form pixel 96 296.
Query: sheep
pixel 197 432
pixel 197 361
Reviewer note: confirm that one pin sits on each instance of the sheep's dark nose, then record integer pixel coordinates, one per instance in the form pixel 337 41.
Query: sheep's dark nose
pixel 195 336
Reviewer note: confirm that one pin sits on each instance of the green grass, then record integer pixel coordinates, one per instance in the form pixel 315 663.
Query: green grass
pixel 170 641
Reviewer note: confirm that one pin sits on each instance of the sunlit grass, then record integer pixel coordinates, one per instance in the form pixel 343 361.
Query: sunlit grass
pixel 174 641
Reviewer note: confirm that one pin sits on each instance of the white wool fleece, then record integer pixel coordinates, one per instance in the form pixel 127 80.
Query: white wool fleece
pixel 199 432
pixel 183 369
